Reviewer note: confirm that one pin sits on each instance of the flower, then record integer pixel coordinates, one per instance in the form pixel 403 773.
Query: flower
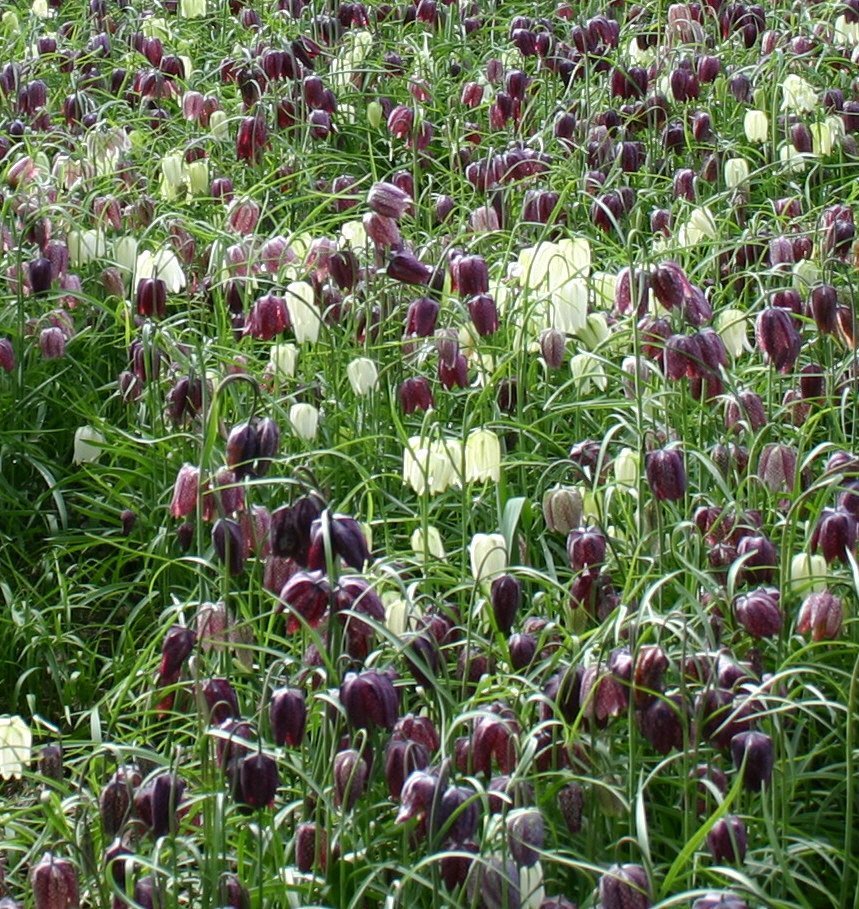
pixel 756 126
pixel 588 373
pixel 304 420
pixel 363 376
pixel 15 746
pixel 808 573
pixel 88 445
pixel 283 359
pixel 429 543
pixel 736 172
pixel 798 95
pixel 488 554
pixel 822 614
pixel 432 466
pixel 731 326
pixel 303 313
pixel 163 264
pixel 482 456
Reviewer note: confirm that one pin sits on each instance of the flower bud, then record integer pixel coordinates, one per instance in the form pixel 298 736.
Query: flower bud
pixel 759 612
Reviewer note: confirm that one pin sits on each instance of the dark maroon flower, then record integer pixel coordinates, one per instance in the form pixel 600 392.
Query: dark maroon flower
pixel 663 722
pixel 778 338
pixel 759 558
pixel 402 757
pixel 822 614
pixel 369 699
pixel 759 612
pixel 157 801
pixel 421 317
pixel 257 781
pixel 494 737
pixel 306 595
pixel 469 275
pixel 415 394
pixel 834 535
pixel 177 646
pixel 666 474
pixel 388 200
pixel 755 751
pixel 311 847
pixel 727 840
pixel 493 883
pixel 291 527
pixel 506 598
pixel 586 548
pixel 624 887
pixel 232 894
pixel 287 714
pixel 220 700
pixel 404 266
pixel 55 883
pixel 7 355
pixel 228 540
pixel 152 297
pixel 350 778
pixel 525 836
pixel 347 540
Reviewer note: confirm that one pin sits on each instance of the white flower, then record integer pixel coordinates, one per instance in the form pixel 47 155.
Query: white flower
pixel 125 253
pixel 805 275
pixel 736 172
pixel 363 375
pixel 172 176
pixel 588 373
pixel 197 177
pixel 85 246
pixel 603 284
pixel 163 264
pixel 219 124
pixel 594 331
pixel 429 544
pixel 192 9
pixel 353 234
pixel 626 468
pixel 845 32
pixel 488 554
pixel 568 306
pixel 432 466
pixel 303 313
pixel 798 95
pixel 756 126
pixel 732 326
pixel 87 446
pixel 793 161
pixel 304 420
pixel 701 225
pixel 482 456
pixel 283 359
pixel 824 135
pixel 15 747
pixel 808 573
